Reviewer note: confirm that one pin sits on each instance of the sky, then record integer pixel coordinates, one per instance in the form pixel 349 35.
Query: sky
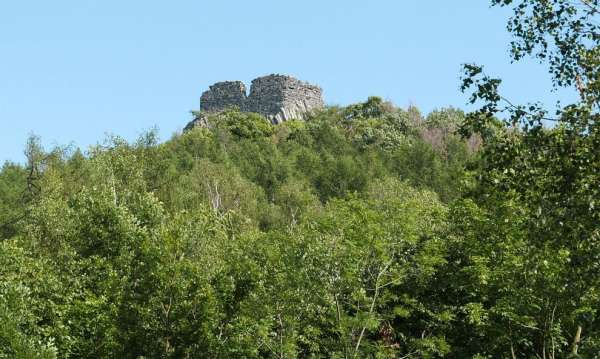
pixel 73 72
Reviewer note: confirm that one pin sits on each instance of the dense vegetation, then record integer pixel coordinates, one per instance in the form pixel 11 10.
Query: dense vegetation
pixel 365 231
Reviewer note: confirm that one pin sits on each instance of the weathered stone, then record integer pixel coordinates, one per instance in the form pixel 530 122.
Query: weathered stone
pixel 200 120
pixel 281 98
pixel 223 95
pixel 277 97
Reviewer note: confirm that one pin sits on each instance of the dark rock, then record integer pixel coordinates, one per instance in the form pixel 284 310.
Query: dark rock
pixel 277 97
pixel 223 95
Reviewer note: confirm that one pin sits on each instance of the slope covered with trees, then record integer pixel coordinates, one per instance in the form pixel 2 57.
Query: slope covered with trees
pixel 238 239
pixel 364 231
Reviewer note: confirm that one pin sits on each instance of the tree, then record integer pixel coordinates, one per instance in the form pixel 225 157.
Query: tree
pixel 551 174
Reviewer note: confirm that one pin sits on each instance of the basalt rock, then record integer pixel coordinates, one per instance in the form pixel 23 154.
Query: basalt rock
pixel 280 98
pixel 277 97
pixel 223 95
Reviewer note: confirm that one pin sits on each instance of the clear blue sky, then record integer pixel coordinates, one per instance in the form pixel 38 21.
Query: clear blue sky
pixel 72 71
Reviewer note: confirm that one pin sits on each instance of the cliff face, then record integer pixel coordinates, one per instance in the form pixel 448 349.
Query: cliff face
pixel 277 97
pixel 222 95
pixel 280 98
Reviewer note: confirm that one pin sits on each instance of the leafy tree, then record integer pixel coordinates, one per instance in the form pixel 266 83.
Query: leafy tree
pixel 549 174
pixel 237 238
pixel 13 180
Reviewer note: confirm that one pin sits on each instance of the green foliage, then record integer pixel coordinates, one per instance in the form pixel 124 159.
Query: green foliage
pixel 243 125
pixel 365 231
pixel 537 195
pixel 23 280
pixel 238 239
pixel 13 180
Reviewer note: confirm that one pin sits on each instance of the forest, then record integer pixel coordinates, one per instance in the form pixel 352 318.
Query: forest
pixel 365 231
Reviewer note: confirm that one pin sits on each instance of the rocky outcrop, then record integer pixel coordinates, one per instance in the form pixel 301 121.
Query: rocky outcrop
pixel 280 98
pixel 277 97
pixel 200 120
pixel 223 95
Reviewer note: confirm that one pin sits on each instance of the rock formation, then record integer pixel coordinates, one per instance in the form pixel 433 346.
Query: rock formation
pixel 280 98
pixel 277 97
pixel 223 95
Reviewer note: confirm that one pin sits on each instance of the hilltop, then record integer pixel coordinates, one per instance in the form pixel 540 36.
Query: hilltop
pixel 278 98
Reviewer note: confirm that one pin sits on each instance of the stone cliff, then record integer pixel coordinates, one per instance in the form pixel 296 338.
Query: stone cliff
pixel 223 95
pixel 277 97
pixel 281 98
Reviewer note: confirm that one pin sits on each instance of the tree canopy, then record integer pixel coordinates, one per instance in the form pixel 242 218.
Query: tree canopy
pixel 365 231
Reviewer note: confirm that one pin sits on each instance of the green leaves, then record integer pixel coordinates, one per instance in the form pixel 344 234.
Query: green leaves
pixel 235 239
pixel 20 334
pixel 534 271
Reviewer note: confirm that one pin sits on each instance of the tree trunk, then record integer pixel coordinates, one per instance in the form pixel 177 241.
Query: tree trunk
pixel 576 340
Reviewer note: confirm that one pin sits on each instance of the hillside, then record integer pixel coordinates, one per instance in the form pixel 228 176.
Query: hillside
pixel 276 227
pixel 122 247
